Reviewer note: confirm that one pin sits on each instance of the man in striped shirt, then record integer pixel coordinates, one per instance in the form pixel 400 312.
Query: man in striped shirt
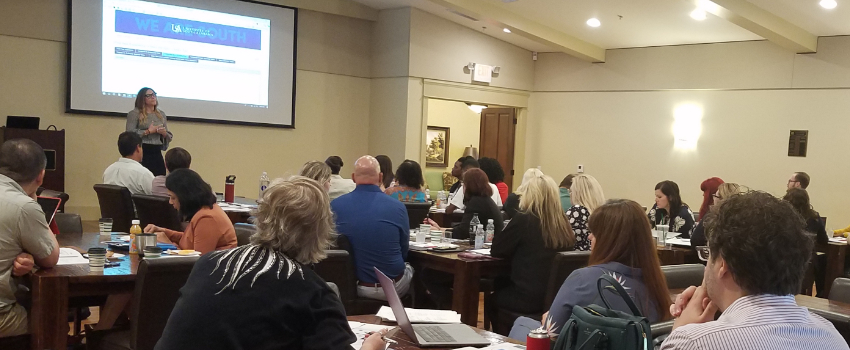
pixel 758 253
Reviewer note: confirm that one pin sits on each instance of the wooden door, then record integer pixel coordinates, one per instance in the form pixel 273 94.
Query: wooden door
pixel 498 128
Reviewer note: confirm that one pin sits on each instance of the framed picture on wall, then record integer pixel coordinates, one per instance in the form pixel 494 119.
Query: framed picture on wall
pixel 437 147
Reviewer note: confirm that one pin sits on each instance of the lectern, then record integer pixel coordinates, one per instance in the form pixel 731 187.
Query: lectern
pixel 53 142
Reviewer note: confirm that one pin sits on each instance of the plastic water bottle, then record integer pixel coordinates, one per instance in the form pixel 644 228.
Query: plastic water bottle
pixel 264 183
pixel 491 230
pixel 427 194
pixel 473 226
pixel 479 237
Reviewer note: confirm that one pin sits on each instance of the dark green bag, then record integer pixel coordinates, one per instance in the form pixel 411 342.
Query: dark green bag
pixel 596 327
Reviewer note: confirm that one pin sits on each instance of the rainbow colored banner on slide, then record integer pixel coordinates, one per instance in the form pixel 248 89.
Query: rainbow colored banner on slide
pixel 182 29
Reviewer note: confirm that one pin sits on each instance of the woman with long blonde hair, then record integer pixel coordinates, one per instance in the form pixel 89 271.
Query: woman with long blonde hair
pixel 530 241
pixel 512 203
pixel 150 122
pixel 586 197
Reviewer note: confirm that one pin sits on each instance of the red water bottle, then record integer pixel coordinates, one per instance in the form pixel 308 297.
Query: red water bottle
pixel 537 339
pixel 229 185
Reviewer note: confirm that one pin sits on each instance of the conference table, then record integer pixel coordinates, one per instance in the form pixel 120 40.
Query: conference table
pixel 405 343
pixel 54 289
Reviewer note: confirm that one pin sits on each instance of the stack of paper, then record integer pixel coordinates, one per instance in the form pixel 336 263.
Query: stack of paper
pixel 421 246
pixel 68 256
pixel 480 251
pixel 422 315
pixel 360 330
pixel 679 241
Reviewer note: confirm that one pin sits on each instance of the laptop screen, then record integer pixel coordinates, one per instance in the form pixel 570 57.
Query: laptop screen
pixel 50 205
pixel 395 303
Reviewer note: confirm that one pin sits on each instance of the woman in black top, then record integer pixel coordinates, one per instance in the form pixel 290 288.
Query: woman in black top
pixel 511 205
pixel 669 209
pixel 530 241
pixel 799 199
pixel 260 296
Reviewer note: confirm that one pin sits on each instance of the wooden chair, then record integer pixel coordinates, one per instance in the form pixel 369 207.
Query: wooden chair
pixel 156 210
pixel 116 203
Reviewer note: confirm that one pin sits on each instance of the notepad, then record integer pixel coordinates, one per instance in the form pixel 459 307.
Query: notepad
pixel 68 256
pixel 361 329
pixel 480 251
pixel 422 315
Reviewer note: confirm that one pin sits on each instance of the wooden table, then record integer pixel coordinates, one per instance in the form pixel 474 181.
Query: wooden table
pixel 677 255
pixel 467 277
pixel 53 288
pixel 405 343
pixel 835 253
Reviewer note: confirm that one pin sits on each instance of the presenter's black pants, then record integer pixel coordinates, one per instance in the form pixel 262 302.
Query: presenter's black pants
pixel 152 159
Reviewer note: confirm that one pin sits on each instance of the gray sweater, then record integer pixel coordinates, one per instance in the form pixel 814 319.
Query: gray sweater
pixel 134 123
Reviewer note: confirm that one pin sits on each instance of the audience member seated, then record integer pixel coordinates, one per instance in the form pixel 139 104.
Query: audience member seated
pixel 175 158
pixel 758 249
pixel 409 182
pixel 339 185
pixel 318 171
pixel 261 296
pixel 209 229
pixel 670 210
pixel 799 180
pixel 512 204
pixel 456 202
pixel 725 190
pixel 378 229
pixel 25 238
pixel 387 170
pixel 586 197
pixel 564 188
pixel 799 199
pixel 496 175
pixel 457 171
pixel 530 241
pixel 623 247
pixel 478 200
pixel 127 171
pixel 709 189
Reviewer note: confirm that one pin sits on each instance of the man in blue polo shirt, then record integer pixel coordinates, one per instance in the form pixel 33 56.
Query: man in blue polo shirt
pixel 378 229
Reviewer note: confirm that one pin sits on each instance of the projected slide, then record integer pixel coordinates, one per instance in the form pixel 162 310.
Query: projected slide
pixel 184 53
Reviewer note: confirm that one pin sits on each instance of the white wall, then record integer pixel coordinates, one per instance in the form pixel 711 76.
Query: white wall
pixel 616 119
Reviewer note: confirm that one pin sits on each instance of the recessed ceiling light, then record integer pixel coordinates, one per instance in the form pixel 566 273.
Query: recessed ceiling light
pixel 698 14
pixel 593 22
pixel 828 4
pixel 506 30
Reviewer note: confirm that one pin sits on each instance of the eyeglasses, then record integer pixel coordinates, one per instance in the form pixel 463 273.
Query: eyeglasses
pixel 792 181
pixel 703 252
pixel 150 95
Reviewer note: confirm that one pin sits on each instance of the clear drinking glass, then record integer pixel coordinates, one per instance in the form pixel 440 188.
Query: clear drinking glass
pixel 662 235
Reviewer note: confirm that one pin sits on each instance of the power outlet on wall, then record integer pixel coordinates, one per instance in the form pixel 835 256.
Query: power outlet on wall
pixel 580 168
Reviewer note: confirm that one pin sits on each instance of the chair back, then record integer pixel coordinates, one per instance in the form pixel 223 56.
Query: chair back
pixel 244 232
pixel 562 266
pixel 158 283
pixel 55 194
pixel 683 276
pixel 68 223
pixel 337 268
pixel 116 203
pixel 840 290
pixel 417 212
pixel 156 210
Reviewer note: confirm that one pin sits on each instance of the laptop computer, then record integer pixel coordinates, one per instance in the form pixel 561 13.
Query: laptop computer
pixel 430 335
pixel 50 206
pixel 19 122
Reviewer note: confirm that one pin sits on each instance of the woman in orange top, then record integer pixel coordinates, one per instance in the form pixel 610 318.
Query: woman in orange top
pixel 209 229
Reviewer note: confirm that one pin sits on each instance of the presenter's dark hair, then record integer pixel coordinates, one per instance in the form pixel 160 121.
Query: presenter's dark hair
pixel 671 190
pixel 409 174
pixel 493 169
pixel 177 158
pixel 803 179
pixel 470 163
pixel 22 160
pixel 386 169
pixel 127 142
pixel 336 164
pixel 191 190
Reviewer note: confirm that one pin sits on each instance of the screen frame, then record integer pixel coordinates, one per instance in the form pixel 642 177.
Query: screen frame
pixel 68 108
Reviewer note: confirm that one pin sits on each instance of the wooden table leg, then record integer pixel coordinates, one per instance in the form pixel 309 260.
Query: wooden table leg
pixel 49 314
pixel 115 304
pixel 834 264
pixel 465 295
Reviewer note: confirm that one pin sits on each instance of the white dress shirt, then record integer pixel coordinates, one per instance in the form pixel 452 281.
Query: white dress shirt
pixel 340 186
pixel 131 174
pixel 457 200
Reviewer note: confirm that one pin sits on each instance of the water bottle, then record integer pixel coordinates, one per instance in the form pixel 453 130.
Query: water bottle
pixel 264 183
pixel 427 195
pixel 473 226
pixel 491 230
pixel 479 237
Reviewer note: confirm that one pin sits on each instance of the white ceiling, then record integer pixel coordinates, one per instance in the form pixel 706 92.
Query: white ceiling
pixel 643 23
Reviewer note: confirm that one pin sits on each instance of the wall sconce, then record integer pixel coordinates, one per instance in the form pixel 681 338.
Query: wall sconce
pixel 687 126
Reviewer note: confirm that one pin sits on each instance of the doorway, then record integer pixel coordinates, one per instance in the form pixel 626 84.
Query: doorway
pixel 497 138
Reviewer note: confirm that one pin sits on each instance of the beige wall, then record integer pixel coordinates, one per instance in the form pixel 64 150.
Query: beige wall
pixel 464 124
pixel 332 106
pixel 616 119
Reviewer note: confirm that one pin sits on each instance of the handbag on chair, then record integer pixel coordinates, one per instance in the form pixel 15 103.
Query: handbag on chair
pixel 597 327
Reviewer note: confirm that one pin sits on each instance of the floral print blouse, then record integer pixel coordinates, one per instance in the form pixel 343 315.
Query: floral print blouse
pixel 578 216
pixel 682 222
